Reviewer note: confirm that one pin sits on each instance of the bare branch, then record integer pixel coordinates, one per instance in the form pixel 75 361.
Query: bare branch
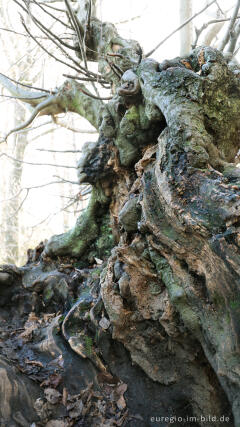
pixel 20 206
pixel 53 37
pixel 128 20
pixel 32 98
pixel 57 212
pixel 205 25
pixel 50 14
pixel 179 28
pixel 36 164
pixel 107 98
pixel 52 7
pixel 35 138
pixel 25 85
pixel 44 104
pixel 233 38
pixel 49 53
pixel 219 8
pixel 230 26
pixel 49 122
pixel 20 34
pixel 85 79
pixel 37 22
pixel 68 127
pixel 75 26
pixel 66 180
pixel 58 151
pixel 34 187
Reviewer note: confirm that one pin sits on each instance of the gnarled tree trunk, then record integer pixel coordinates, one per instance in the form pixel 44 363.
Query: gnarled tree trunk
pixel 165 202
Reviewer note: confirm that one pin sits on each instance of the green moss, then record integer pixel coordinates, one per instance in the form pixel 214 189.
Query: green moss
pixel 176 291
pixel 235 304
pixel 96 273
pixel 104 243
pixel 48 293
pixel 88 345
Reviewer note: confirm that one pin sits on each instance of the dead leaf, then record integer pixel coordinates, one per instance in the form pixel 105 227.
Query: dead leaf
pixel 76 409
pixel 121 404
pixel 64 396
pixel 34 363
pixel 105 377
pixel 52 395
pixel 59 361
pixel 119 392
pixel 53 381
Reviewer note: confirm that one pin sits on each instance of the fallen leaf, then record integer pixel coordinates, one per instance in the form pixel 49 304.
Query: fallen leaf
pixel 76 409
pixel 105 377
pixel 34 363
pixel 53 381
pixel 119 392
pixel 121 404
pixel 52 395
pixel 64 396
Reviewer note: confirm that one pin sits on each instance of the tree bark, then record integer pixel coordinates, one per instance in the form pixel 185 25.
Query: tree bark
pixel 154 259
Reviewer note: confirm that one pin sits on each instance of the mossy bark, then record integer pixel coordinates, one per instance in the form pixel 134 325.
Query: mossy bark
pixel 170 181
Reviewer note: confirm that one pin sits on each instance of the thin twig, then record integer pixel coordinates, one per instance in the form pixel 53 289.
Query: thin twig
pixel 49 122
pixel 46 29
pixel 35 138
pixel 36 164
pixel 85 79
pixel 75 25
pixel 55 213
pixel 45 50
pixel 114 69
pixel 127 20
pixel 20 206
pixel 107 98
pixel 52 7
pixel 219 8
pixel 179 28
pixel 50 14
pixel 34 187
pixel 22 34
pixel 53 37
pixel 66 180
pixel 58 151
pixel 25 85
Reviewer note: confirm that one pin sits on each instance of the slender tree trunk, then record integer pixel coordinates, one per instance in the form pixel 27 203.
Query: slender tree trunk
pixel 186 37
pixel 11 210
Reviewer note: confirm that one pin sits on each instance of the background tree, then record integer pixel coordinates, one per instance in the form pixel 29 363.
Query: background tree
pixel 186 33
